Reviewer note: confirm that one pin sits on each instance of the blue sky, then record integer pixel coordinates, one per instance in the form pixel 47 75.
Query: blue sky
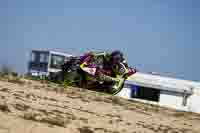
pixel 155 35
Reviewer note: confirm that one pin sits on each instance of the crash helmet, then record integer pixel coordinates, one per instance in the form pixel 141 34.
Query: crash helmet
pixel 116 56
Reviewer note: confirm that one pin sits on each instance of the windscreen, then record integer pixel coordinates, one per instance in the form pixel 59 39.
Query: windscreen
pixel 39 61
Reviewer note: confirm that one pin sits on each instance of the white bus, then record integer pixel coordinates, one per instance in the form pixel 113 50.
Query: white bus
pixel 42 62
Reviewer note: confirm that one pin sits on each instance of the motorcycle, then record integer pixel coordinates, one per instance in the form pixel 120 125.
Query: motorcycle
pixel 72 74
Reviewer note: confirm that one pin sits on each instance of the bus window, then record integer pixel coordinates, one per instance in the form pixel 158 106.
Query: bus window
pixel 44 57
pixel 57 61
pixel 33 57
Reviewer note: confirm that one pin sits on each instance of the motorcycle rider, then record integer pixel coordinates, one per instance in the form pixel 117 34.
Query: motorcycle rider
pixel 120 65
pixel 110 71
pixel 116 60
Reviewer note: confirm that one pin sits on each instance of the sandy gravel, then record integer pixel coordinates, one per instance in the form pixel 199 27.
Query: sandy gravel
pixel 34 107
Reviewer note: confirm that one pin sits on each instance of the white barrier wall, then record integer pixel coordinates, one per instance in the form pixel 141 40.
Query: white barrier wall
pixel 172 100
pixel 174 93
pixel 194 102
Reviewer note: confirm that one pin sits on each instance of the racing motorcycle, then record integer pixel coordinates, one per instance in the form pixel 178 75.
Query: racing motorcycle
pixel 72 74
